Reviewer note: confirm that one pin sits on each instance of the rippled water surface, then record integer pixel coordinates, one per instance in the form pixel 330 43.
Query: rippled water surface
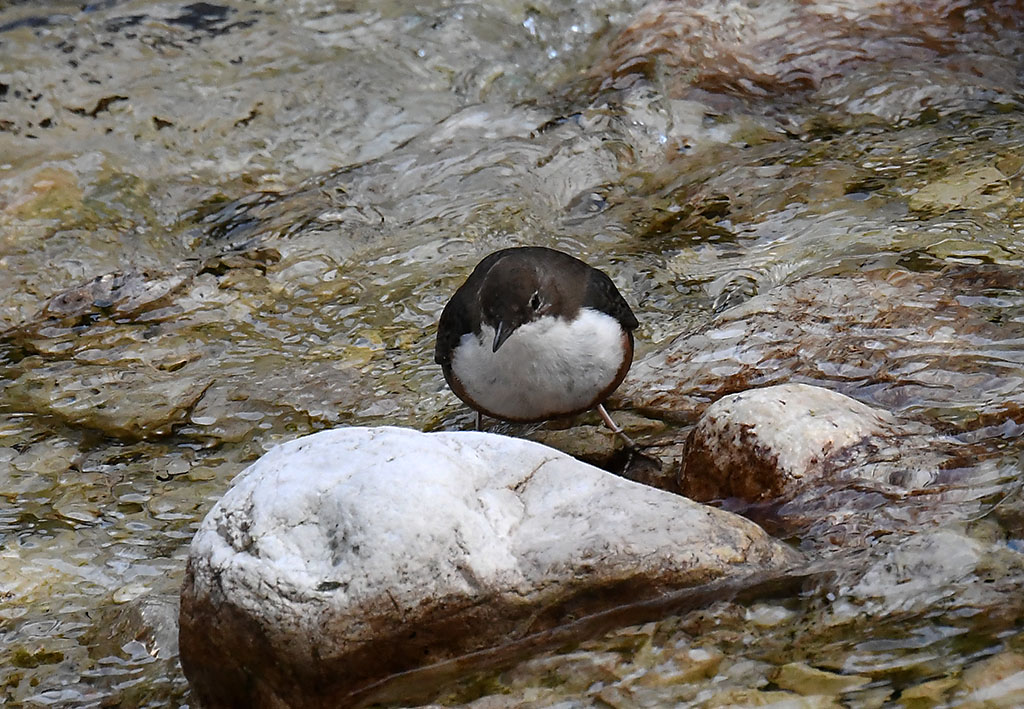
pixel 224 225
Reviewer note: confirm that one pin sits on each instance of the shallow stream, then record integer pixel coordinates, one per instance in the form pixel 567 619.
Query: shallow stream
pixel 225 225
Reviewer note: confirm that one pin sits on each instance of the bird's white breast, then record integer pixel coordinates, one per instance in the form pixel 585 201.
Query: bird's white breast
pixel 547 368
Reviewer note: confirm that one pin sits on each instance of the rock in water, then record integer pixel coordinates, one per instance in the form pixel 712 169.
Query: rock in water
pixel 343 558
pixel 776 441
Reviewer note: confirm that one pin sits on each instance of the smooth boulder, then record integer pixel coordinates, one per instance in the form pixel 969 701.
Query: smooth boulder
pixel 779 440
pixel 341 559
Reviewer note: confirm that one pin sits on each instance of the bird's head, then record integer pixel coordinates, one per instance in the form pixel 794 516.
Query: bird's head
pixel 514 296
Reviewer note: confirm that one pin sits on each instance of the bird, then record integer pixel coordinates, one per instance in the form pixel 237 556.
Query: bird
pixel 536 334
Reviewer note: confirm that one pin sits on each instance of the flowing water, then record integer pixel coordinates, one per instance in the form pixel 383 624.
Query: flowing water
pixel 224 225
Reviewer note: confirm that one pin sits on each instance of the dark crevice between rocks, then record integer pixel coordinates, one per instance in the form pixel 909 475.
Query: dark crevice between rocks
pixel 636 465
pixel 209 18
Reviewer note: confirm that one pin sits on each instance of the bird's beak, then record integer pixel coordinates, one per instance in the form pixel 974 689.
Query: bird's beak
pixel 501 333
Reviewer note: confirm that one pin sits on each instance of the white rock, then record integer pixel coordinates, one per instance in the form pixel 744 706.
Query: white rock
pixel 765 443
pixel 343 557
pixel 799 423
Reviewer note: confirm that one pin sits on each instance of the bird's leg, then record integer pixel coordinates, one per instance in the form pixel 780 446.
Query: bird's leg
pixel 479 421
pixel 614 427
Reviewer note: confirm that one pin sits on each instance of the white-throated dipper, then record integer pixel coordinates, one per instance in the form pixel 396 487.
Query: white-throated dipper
pixel 535 334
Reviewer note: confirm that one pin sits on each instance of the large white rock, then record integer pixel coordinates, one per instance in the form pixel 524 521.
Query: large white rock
pixel 342 558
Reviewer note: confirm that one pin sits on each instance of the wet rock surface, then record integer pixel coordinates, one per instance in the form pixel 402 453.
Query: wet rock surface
pixel 915 344
pixel 341 559
pixel 806 53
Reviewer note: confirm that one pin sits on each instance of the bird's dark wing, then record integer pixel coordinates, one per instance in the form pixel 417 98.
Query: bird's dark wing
pixel 456 321
pixel 603 295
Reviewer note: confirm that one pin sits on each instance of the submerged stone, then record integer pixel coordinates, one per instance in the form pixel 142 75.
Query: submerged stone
pixel 149 619
pixel 974 189
pixel 759 698
pixel 133 401
pixel 901 341
pixel 917 574
pixel 804 679
pixel 793 51
pixel 927 694
pixel 341 559
pixel 996 682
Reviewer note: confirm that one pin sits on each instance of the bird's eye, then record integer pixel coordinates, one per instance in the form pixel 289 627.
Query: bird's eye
pixel 535 301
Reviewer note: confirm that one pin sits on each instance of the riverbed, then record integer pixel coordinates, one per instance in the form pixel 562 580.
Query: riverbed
pixel 226 225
